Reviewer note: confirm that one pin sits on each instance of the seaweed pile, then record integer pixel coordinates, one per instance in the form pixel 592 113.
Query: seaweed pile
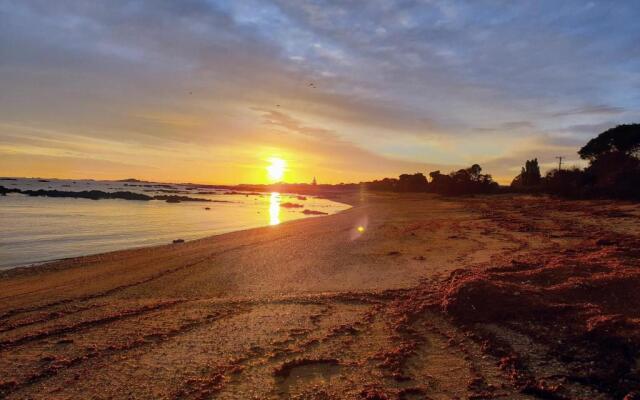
pixel 582 305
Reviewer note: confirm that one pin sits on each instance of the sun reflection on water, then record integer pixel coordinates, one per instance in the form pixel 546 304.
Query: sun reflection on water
pixel 274 208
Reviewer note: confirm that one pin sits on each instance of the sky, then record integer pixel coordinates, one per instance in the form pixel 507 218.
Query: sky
pixel 209 91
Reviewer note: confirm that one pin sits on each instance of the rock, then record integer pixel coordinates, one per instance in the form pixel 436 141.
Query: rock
pixel 177 199
pixel 178 241
pixel 291 205
pixel 313 212
pixel 87 194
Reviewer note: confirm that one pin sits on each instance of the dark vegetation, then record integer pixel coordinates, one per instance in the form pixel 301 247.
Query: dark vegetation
pixel 613 171
pixel 529 175
pixel 464 181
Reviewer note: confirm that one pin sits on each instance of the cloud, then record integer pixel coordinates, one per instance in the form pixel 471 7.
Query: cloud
pixel 396 84
pixel 600 109
pixel 518 125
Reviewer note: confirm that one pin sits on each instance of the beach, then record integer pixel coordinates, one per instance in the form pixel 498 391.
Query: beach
pixel 402 296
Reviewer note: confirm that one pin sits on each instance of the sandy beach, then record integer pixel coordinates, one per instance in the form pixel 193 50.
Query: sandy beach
pixel 436 298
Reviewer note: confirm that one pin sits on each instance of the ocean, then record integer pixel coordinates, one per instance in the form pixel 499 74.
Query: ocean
pixel 38 229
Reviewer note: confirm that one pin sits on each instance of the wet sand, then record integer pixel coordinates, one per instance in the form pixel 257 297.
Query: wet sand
pixel 436 299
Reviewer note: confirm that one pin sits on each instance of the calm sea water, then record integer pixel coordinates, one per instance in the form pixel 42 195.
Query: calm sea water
pixel 36 229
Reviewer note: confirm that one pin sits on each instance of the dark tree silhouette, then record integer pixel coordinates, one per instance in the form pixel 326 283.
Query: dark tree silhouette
pixel 406 183
pixel 572 182
pixel 529 175
pixel 412 183
pixel 464 181
pixel 623 138
pixel 383 185
pixel 613 171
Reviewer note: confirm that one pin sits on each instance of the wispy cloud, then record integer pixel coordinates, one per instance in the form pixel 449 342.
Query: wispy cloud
pixel 600 109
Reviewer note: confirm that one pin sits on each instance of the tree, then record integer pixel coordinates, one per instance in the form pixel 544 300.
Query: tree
pixel 384 185
pixel 412 183
pixel 474 172
pixel 529 175
pixel 572 182
pixel 406 183
pixel 464 181
pixel 624 139
pixel 613 171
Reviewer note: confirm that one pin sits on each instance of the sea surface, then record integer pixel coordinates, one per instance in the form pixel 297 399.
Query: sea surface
pixel 38 229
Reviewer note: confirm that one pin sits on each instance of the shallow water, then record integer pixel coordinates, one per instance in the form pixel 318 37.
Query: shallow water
pixel 36 229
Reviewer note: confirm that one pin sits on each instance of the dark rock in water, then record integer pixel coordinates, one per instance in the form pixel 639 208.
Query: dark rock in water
pixel 313 212
pixel 130 180
pixel 393 253
pixel 87 194
pixel 207 208
pixel 42 180
pixel 291 205
pixel 166 190
pixel 178 199
pixel 176 241
pixel 99 194
pixel 4 191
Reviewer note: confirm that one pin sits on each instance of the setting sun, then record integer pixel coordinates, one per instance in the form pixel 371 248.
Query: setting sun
pixel 275 170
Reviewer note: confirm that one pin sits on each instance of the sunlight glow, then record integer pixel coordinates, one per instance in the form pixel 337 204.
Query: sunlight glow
pixel 275 170
pixel 274 208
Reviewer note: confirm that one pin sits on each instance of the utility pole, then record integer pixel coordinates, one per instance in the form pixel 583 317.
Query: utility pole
pixel 559 162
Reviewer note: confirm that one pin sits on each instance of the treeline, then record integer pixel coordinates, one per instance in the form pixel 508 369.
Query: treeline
pixel 464 181
pixel 613 170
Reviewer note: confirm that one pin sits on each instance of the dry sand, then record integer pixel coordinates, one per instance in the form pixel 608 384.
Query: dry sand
pixel 437 299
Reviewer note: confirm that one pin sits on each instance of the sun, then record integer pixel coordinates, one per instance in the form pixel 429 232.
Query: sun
pixel 276 168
